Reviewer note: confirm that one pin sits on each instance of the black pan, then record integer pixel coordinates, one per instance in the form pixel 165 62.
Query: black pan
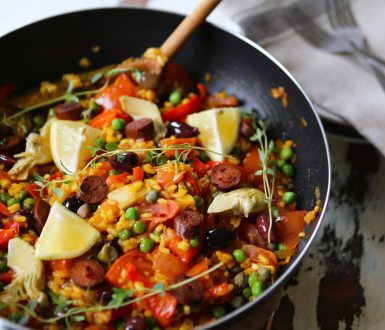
pixel 47 49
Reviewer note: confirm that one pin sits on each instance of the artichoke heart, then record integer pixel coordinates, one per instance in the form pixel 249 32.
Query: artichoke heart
pixel 242 201
pixel 37 152
pixel 28 281
pixel 128 195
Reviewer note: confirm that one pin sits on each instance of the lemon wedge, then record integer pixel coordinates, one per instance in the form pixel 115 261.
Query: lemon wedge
pixel 65 235
pixel 218 129
pixel 138 108
pixel 69 140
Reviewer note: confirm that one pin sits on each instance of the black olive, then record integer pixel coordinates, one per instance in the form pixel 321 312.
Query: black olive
pixel 135 323
pixel 181 130
pixel 219 238
pixel 125 161
pixel 7 160
pixel 73 203
pixel 104 296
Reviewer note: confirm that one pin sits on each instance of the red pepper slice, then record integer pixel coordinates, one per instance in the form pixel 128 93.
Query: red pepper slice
pixel 202 91
pixel 33 190
pixel 181 111
pixel 105 118
pixel 116 178
pixel 4 210
pixel 194 184
pixel 11 229
pixel 138 173
pixel 199 167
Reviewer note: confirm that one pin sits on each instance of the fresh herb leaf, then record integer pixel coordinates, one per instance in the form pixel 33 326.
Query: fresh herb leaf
pixel 160 287
pixel 61 302
pixel 57 192
pixel 96 77
pixel 119 296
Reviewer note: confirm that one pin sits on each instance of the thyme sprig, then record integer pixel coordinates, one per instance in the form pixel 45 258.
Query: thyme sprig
pixel 152 155
pixel 265 149
pixel 120 298
pixel 69 95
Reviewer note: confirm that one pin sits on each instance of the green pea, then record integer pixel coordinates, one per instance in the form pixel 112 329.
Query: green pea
pixel 218 311
pixel 132 213
pixel 113 172
pixel 281 163
pixel 100 142
pixel 288 170
pixel 39 121
pixel 23 195
pixel 124 234
pixel 239 255
pixel 3 266
pixel 13 201
pixel 194 242
pixel 4 197
pixel 118 124
pixel 253 278
pixel 246 293
pixel 203 156
pixel 175 97
pixel 281 247
pixel 198 202
pixel 112 146
pixel 146 245
pixel 139 227
pixel 28 204
pixel 286 153
pixel 152 196
pixel 257 288
pixel 289 197
pixel 51 112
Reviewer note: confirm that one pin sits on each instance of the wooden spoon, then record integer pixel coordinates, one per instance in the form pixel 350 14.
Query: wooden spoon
pixel 187 27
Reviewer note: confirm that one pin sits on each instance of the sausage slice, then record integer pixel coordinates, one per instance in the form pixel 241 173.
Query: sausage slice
pixel 225 176
pixel 188 223
pixel 140 129
pixel 93 189
pixel 68 111
pixel 190 293
pixel 40 214
pixel 87 273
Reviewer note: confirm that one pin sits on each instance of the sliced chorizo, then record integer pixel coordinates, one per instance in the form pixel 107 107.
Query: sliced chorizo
pixel 87 273
pixel 40 214
pixel 140 129
pixel 225 176
pixel 188 223
pixel 93 189
pixel 189 294
pixel 68 111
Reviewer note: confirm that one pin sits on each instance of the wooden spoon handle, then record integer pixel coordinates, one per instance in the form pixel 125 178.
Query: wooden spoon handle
pixel 187 27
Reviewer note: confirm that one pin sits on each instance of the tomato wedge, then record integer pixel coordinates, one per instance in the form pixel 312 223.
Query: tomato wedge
pixel 162 308
pixel 289 224
pixel 162 212
pixel 199 167
pixel 138 173
pixel 109 97
pixel 172 242
pixel 116 178
pixel 168 264
pixel 33 190
pixel 193 182
pixel 6 277
pixel 137 268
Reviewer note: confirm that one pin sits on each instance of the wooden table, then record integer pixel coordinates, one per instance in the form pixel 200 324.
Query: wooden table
pixel 340 284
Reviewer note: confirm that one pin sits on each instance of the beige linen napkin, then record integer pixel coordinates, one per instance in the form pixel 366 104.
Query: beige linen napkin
pixel 341 83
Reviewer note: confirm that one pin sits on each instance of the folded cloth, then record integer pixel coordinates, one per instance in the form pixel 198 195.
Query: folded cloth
pixel 340 83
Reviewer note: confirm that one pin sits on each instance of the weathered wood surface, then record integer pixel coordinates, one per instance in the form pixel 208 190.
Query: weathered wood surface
pixel 340 284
